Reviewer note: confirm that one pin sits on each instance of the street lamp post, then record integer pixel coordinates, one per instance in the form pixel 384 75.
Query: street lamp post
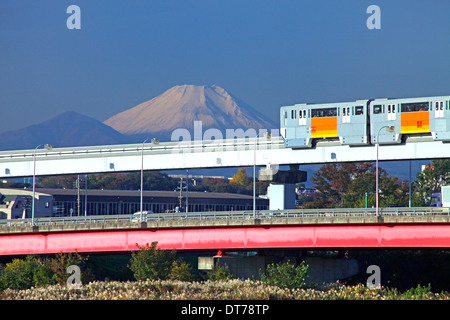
pixel 254 178
pixel 142 175
pixel 47 147
pixel 389 129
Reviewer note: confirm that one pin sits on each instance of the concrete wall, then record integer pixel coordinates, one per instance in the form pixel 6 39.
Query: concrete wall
pixel 245 267
pixel 320 270
pixel 327 270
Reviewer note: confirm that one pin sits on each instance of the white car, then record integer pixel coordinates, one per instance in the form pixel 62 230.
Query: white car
pixel 137 216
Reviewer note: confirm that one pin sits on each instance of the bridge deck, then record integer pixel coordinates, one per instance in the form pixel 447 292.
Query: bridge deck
pixel 230 219
pixel 193 223
pixel 389 231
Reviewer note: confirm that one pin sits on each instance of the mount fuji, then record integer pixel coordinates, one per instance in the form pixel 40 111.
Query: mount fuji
pixel 181 106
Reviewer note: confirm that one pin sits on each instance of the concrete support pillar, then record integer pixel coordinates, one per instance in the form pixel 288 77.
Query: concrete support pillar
pixel 282 196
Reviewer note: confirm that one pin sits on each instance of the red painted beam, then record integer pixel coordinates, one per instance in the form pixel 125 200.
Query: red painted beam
pixel 252 237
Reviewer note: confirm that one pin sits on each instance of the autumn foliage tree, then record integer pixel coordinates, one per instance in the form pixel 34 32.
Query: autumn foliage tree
pixel 241 178
pixel 244 183
pixel 240 183
pixel 431 179
pixel 348 184
pixel 334 180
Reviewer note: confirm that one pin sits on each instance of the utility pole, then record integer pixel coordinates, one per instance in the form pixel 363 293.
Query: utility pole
pixel 180 197
pixel 78 193
pixel 85 195
pixel 187 191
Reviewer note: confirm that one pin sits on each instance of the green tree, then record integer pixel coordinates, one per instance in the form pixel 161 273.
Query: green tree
pixel 334 180
pixel 393 192
pixel 432 178
pixel 36 272
pixel 286 275
pixel 62 182
pixel 62 261
pixel 153 180
pixel 346 185
pixel 181 271
pixel 150 262
pixel 25 273
pixel 356 193
pixel 220 273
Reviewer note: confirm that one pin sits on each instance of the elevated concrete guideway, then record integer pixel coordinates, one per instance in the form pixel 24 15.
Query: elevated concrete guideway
pixel 203 154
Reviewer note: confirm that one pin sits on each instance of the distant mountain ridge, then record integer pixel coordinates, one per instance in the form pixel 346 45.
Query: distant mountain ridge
pixel 68 129
pixel 180 106
pixel 176 108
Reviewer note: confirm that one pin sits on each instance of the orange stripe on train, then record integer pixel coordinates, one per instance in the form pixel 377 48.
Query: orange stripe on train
pixel 415 122
pixel 324 127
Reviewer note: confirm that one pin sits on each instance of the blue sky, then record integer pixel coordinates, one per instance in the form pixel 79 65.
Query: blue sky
pixel 268 53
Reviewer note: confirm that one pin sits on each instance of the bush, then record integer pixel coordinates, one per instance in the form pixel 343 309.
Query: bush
pixel 180 271
pixel 24 274
pixel 151 263
pixel 37 272
pixel 209 290
pixel 62 261
pixel 285 275
pixel 220 273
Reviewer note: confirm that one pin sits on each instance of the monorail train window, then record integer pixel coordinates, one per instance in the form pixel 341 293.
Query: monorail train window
pixel 325 112
pixel 359 110
pixel 302 114
pixel 415 106
pixel 377 109
pixel 293 114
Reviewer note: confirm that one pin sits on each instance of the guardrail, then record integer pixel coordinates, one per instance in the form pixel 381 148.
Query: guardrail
pixel 246 215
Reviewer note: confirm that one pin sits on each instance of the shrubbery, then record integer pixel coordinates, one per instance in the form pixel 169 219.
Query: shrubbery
pixel 34 271
pixel 212 290
pixel 160 276
pixel 220 273
pixel 152 263
pixel 285 275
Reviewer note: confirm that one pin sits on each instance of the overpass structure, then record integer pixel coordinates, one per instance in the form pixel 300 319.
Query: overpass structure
pixel 267 151
pixel 326 228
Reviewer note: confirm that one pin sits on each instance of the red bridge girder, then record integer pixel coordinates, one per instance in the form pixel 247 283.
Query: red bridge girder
pixel 250 237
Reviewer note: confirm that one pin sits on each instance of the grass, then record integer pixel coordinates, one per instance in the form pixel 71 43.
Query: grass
pixel 214 290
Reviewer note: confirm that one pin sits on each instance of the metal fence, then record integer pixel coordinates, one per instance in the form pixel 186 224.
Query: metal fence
pixel 232 215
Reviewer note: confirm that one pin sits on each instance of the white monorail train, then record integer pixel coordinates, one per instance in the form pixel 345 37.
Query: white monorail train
pixel 360 122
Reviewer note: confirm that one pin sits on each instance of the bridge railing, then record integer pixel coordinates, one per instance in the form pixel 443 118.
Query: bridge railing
pixel 232 215
pixel 354 212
